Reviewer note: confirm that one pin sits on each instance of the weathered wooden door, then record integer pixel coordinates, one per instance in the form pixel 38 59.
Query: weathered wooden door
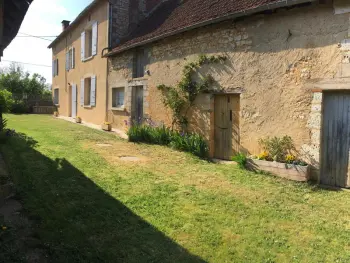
pixel 74 101
pixel 226 119
pixel 335 139
pixel 137 104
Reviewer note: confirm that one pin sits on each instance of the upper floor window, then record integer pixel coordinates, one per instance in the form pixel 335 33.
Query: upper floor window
pixel 89 41
pixel 139 63
pixel 70 59
pixel 55 67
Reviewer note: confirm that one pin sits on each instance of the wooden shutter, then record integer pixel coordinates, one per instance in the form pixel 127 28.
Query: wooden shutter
pixel 56 67
pixel 93 91
pixel 94 39
pixel 82 92
pixel 53 68
pixel 82 46
pixel 73 58
pixel 67 61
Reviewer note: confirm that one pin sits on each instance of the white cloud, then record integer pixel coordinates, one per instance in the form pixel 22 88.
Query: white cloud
pixel 42 19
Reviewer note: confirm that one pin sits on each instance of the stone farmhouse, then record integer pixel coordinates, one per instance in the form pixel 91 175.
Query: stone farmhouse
pixel 286 71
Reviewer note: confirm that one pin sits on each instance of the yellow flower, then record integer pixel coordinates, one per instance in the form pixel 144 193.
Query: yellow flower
pixel 4 228
pixel 263 156
pixel 107 123
pixel 290 158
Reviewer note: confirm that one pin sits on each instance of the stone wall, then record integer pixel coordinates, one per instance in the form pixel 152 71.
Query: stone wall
pixel 272 59
pixel 126 15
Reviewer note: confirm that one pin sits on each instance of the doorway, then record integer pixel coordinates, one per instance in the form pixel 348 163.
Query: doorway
pixel 226 121
pixel 137 105
pixel 335 142
pixel 74 101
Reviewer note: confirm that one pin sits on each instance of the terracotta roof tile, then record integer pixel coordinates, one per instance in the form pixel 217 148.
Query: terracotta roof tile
pixel 175 15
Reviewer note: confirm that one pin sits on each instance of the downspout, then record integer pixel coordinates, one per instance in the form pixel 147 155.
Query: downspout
pixel 109 35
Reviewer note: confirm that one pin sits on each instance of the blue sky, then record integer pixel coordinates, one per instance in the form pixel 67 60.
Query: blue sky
pixel 43 19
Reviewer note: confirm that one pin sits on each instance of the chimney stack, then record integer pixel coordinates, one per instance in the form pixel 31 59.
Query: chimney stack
pixel 65 24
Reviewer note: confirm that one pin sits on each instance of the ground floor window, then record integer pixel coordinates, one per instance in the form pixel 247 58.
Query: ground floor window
pixel 56 96
pixel 87 92
pixel 117 97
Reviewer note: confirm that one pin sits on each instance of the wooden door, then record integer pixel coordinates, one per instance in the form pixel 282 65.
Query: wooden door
pixel 226 119
pixel 335 141
pixel 137 105
pixel 74 101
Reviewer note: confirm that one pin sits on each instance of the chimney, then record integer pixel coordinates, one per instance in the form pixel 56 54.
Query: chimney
pixel 65 24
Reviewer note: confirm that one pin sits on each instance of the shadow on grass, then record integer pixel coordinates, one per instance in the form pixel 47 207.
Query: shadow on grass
pixel 78 221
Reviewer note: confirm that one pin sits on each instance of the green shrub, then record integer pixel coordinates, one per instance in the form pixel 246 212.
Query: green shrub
pixel 241 160
pixel 19 108
pixel 278 148
pixel 192 143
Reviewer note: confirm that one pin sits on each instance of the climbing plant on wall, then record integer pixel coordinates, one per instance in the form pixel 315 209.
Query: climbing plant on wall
pixel 180 98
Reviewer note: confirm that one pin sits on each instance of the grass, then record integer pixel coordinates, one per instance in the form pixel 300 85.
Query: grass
pixel 169 207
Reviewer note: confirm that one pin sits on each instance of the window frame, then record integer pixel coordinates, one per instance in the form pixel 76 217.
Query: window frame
pixel 116 98
pixel 56 97
pixel 139 59
pixel 87 87
pixel 89 41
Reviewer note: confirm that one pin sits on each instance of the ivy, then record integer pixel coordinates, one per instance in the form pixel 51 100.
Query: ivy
pixel 180 98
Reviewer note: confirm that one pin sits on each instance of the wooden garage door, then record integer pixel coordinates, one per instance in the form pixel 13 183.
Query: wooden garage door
pixel 335 139
pixel 226 120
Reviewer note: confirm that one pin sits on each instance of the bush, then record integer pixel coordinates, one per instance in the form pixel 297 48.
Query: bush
pixel 20 108
pixel 6 100
pixel 278 148
pixel 192 143
pixel 241 160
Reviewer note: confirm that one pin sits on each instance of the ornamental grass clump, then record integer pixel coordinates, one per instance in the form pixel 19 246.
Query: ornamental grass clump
pixel 187 142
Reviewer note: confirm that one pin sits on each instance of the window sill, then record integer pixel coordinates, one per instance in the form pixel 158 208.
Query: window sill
pixel 138 79
pixel 87 59
pixel 118 108
pixel 87 106
pixel 57 105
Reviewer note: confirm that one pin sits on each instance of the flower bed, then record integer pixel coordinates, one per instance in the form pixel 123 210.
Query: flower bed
pixel 289 171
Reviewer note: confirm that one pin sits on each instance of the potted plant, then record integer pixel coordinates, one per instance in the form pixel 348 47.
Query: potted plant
pixel 55 114
pixel 279 158
pixel 107 126
pixel 78 119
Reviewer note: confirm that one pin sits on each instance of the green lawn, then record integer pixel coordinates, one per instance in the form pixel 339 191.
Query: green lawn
pixel 169 207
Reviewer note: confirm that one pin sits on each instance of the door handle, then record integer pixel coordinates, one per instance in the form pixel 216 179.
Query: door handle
pixel 230 115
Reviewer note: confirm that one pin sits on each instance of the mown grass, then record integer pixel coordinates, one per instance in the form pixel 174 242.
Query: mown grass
pixel 167 207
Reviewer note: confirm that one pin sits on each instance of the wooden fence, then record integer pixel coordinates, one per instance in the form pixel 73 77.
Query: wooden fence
pixel 43 109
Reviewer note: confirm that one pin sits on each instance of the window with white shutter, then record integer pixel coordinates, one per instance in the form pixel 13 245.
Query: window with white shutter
pixel 55 67
pixel 89 41
pixel 88 92
pixel 56 96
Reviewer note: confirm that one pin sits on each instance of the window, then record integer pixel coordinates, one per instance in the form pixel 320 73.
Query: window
pixel 89 42
pixel 139 63
pixel 88 92
pixel 117 97
pixel 70 59
pixel 56 96
pixel 55 67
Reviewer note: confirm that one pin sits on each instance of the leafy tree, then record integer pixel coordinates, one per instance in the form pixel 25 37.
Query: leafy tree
pixel 21 84
pixel 6 102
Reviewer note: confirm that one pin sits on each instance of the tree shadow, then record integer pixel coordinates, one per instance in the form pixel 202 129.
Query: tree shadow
pixel 78 220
